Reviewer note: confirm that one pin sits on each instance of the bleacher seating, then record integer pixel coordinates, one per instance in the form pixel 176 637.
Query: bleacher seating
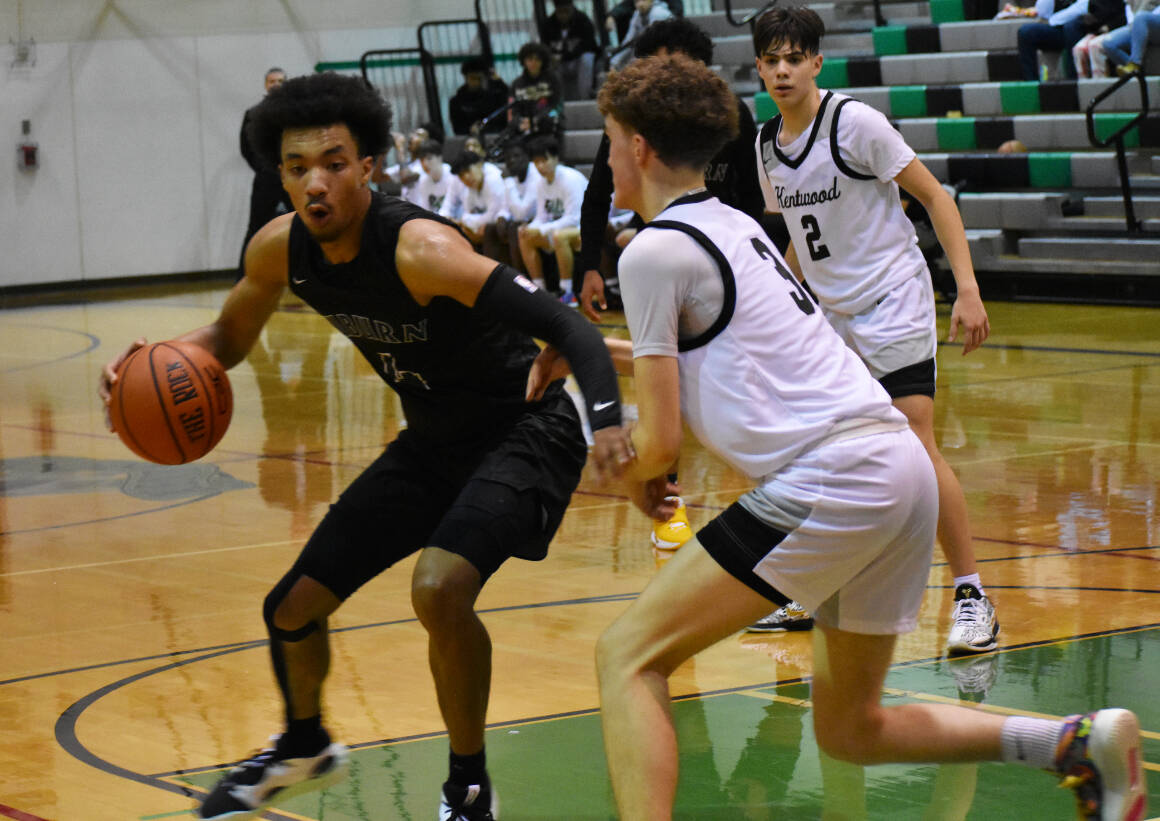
pixel 952 86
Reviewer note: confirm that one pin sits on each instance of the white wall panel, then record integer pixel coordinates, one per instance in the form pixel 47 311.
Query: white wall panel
pixel 72 20
pixel 39 236
pixel 137 105
pixel 139 157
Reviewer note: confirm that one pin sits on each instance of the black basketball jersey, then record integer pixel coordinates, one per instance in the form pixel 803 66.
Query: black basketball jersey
pixel 460 376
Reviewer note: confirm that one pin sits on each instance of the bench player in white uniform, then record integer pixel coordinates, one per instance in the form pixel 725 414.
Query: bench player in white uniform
pixel 843 515
pixel 833 166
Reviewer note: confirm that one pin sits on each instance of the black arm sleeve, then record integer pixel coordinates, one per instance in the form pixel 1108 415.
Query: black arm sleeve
pixel 748 187
pixel 594 211
pixel 511 298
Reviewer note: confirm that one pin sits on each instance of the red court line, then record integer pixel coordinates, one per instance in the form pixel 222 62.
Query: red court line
pixel 19 815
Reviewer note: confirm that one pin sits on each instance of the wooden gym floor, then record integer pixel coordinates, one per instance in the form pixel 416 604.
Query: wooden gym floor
pixel 132 658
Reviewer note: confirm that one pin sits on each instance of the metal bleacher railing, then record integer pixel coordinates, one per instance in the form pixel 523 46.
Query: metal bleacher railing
pixel 406 78
pixel 748 19
pixel 1117 138
pixel 419 81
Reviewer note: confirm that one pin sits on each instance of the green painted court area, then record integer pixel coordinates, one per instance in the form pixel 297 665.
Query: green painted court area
pixel 751 754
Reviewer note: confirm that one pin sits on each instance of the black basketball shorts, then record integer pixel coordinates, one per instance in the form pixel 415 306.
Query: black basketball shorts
pixel 487 502
pixel 916 379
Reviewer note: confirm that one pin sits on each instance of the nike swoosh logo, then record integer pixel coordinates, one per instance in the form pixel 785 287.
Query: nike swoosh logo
pixel 297 281
pixel 599 406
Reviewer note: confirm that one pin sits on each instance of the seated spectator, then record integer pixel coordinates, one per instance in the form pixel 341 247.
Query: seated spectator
pixel 482 93
pixel 570 36
pixel 1064 27
pixel 1127 45
pixel 520 181
pixel 556 224
pixel 647 12
pixel 477 200
pixel 400 179
pixel 434 179
pixel 1088 53
pixel 620 15
pixel 537 97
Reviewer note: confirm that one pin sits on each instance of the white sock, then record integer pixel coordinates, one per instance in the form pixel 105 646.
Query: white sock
pixel 972 579
pixel 1031 741
pixel 566 285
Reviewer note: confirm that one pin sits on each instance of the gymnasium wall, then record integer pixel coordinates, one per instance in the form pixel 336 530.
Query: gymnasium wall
pixel 136 106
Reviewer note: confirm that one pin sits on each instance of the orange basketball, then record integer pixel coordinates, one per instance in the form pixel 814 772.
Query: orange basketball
pixel 171 402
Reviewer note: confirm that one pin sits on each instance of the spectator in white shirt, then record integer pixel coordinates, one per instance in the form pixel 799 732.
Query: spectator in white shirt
pixel 435 178
pixel 520 181
pixel 479 197
pixel 556 224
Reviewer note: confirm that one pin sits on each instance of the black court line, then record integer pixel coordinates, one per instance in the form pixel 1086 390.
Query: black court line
pixel 110 518
pixel 94 343
pixel 612 597
pixel 1042 376
pixel 988 346
pixel 66 735
pixel 1014 346
pixel 1059 552
pixel 1061 588
pixel 703 694
pixel 251 643
pixel 66 723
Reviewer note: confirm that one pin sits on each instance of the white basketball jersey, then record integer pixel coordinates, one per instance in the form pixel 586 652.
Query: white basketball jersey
pixel 835 186
pixel 769 379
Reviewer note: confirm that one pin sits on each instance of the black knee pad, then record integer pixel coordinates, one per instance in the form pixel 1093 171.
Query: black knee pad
pixel 273 599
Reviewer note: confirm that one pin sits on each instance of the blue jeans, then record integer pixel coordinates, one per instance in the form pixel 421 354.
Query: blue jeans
pixel 1144 28
pixel 1035 37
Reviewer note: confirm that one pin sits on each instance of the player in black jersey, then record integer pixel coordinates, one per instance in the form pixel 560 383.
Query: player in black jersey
pixel 479 474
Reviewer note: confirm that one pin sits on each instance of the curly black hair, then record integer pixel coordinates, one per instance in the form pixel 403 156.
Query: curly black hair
pixel 536 48
pixel 321 100
pixel 675 34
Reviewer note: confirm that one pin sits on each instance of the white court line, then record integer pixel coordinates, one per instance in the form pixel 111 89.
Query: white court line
pixel 148 558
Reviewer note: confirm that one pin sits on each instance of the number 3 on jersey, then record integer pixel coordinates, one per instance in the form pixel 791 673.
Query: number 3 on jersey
pixel 800 296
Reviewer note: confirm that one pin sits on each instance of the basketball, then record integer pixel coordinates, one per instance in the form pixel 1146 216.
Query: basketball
pixel 171 402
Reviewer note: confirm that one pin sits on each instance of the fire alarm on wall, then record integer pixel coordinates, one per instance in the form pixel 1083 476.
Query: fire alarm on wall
pixel 26 149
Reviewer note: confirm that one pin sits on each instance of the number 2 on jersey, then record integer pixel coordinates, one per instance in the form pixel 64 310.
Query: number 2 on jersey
pixel 800 295
pixel 813 234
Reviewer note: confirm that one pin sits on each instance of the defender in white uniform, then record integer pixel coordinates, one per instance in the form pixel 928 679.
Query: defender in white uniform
pixel 726 338
pixel 833 166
